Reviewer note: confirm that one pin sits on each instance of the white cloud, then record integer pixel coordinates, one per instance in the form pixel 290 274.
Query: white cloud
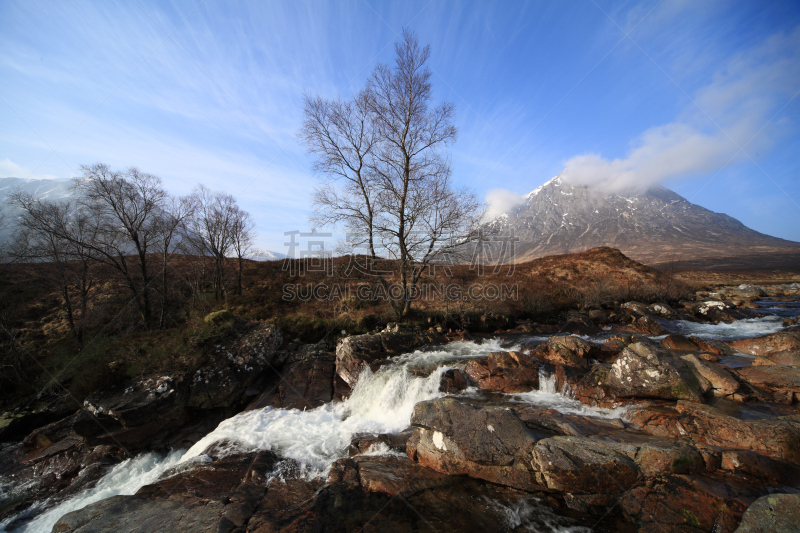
pixel 501 201
pixel 9 169
pixel 731 119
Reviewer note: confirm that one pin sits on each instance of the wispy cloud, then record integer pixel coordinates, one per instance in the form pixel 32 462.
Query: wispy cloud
pixel 728 119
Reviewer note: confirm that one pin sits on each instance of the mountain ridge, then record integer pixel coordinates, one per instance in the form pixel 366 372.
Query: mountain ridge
pixel 656 226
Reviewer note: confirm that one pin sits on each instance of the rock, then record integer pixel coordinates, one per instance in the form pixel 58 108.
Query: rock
pixel 357 352
pixel 722 382
pixel 580 326
pixel 773 513
pixel 779 382
pixel 662 310
pixel 218 497
pixel 457 438
pixel 634 308
pixel 504 372
pixel 754 464
pixel 582 466
pixel 679 343
pixel 149 412
pixel 714 347
pixel 14 426
pixel 782 341
pixel 306 381
pixel 362 443
pixel 453 381
pixel 669 457
pixel 778 438
pixel 747 290
pixel 568 350
pixel 682 503
pixel 644 371
pixel 785 358
pixel 648 326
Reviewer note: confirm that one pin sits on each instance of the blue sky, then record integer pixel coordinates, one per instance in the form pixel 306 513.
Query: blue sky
pixel 699 96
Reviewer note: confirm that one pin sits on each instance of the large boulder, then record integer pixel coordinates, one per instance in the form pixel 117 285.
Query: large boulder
pixel 777 437
pixel 684 504
pixel 568 350
pixel 778 383
pixel 583 466
pixel 782 341
pixel 773 513
pixel 150 411
pixel 457 438
pixel 642 370
pixel 220 496
pixel 722 382
pixel 357 352
pixel 306 380
pixel 504 372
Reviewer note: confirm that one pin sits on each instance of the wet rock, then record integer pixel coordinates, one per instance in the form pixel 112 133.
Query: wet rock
pixel 453 381
pixel 722 382
pixel 634 308
pixel 777 437
pixel 750 463
pixel 365 442
pixel 713 347
pixel 661 309
pixel 580 326
pixel 785 358
pixel 569 350
pixel 357 352
pixel 782 341
pixel 457 438
pixel 151 411
pixel 780 383
pixel 643 370
pixel 648 326
pixel 679 343
pixel 772 513
pixel 669 457
pixel 684 504
pixel 221 496
pixel 14 426
pixel 306 381
pixel 582 466
pixel 504 372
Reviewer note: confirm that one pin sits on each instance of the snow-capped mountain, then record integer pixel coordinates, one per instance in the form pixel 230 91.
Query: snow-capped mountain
pixel 655 226
pixel 259 254
pixel 47 189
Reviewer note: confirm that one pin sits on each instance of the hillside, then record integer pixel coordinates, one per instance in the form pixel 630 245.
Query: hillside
pixel 654 227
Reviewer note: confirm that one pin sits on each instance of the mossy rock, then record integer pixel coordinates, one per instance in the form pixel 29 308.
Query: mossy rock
pixel 218 318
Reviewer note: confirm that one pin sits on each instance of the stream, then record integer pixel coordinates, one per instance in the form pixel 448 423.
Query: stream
pixel 381 402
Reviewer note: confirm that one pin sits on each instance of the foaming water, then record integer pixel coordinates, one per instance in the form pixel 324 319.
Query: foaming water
pixel 738 329
pixel 381 402
pixel 123 479
pixel 549 397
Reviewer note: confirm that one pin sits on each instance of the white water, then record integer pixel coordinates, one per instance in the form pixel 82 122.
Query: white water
pixel 738 329
pixel 381 402
pixel 548 397
pixel 125 478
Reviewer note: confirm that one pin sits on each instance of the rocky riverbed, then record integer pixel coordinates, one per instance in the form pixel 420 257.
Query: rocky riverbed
pixel 629 418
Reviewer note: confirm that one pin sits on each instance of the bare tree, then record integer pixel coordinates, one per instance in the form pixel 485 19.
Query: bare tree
pixel 341 134
pixel 242 231
pixel 127 205
pixel 176 211
pixel 210 231
pixel 64 240
pixel 402 194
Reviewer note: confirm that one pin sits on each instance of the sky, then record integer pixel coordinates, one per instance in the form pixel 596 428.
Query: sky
pixel 701 97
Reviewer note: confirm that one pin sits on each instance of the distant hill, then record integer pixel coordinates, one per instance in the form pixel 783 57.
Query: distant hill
pixel 654 227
